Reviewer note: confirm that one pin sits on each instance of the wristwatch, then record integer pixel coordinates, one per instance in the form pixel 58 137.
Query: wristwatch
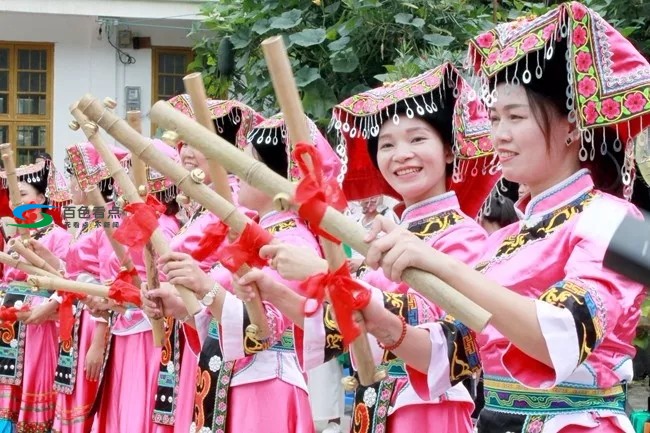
pixel 208 299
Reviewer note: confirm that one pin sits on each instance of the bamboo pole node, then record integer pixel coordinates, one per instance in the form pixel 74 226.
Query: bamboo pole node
pixel 282 201
pixel 120 202
pixel 197 175
pixel 74 125
pixel 91 127
pixel 15 255
pixel 110 103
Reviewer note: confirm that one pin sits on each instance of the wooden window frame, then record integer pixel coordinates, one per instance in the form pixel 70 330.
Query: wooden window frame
pixel 155 51
pixel 12 118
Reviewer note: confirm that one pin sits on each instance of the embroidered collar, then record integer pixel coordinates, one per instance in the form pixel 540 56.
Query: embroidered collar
pixel 275 217
pixel 430 206
pixel 556 196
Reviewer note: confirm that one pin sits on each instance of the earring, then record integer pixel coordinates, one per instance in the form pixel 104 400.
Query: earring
pixel 568 141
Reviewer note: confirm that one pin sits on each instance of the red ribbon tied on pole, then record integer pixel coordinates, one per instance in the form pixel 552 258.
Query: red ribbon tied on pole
pixel 314 193
pixel 123 291
pixel 66 317
pixel 346 296
pixel 212 238
pixel 246 249
pixel 136 229
pixel 9 315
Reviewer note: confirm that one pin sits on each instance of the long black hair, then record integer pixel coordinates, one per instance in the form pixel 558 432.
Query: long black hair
pixel 499 209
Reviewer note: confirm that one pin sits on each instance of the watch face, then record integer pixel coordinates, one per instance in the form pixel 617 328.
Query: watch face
pixel 208 299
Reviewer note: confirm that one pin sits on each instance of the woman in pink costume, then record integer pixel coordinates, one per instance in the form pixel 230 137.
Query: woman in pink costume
pixel 237 371
pixel 84 338
pixel 30 347
pixel 567 95
pixel 131 377
pixel 174 404
pixel 425 141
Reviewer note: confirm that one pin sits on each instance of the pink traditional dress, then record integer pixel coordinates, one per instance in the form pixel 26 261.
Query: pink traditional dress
pixel 76 396
pixel 131 377
pixel 239 372
pixel 441 221
pixel 174 403
pixel 587 313
pixel 29 352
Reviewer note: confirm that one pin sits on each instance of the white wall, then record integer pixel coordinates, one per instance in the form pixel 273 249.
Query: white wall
pixel 84 64
pixel 186 9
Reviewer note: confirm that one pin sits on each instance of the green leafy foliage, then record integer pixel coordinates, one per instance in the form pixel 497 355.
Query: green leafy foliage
pixel 337 48
pixel 345 46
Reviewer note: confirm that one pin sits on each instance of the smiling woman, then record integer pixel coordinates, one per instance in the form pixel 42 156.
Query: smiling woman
pixel 397 140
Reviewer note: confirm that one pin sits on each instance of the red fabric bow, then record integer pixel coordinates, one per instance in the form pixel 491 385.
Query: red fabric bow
pixel 66 318
pixel 212 238
pixel 246 249
pixel 122 291
pixel 30 216
pixel 346 296
pixel 314 193
pixel 9 315
pixel 136 229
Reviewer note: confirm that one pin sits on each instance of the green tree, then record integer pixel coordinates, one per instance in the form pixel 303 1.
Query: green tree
pixel 337 48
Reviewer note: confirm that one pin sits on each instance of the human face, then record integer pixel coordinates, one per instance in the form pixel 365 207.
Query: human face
pixel 249 196
pixel 413 159
pixel 29 194
pixel 521 145
pixel 192 158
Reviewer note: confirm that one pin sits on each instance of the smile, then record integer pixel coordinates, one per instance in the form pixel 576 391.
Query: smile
pixel 405 171
pixel 506 155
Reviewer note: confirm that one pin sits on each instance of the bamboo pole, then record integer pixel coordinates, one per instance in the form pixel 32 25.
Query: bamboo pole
pixel 191 183
pixel 286 91
pixel 12 183
pixel 63 285
pixel 19 247
pixel 28 268
pixel 95 199
pixel 131 193
pixel 263 178
pixel 134 119
pixel 194 87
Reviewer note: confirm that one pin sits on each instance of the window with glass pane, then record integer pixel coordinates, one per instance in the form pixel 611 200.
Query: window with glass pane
pixel 30 140
pixel 26 98
pixel 171 67
pixel 32 81
pixel 4 80
pixel 4 133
